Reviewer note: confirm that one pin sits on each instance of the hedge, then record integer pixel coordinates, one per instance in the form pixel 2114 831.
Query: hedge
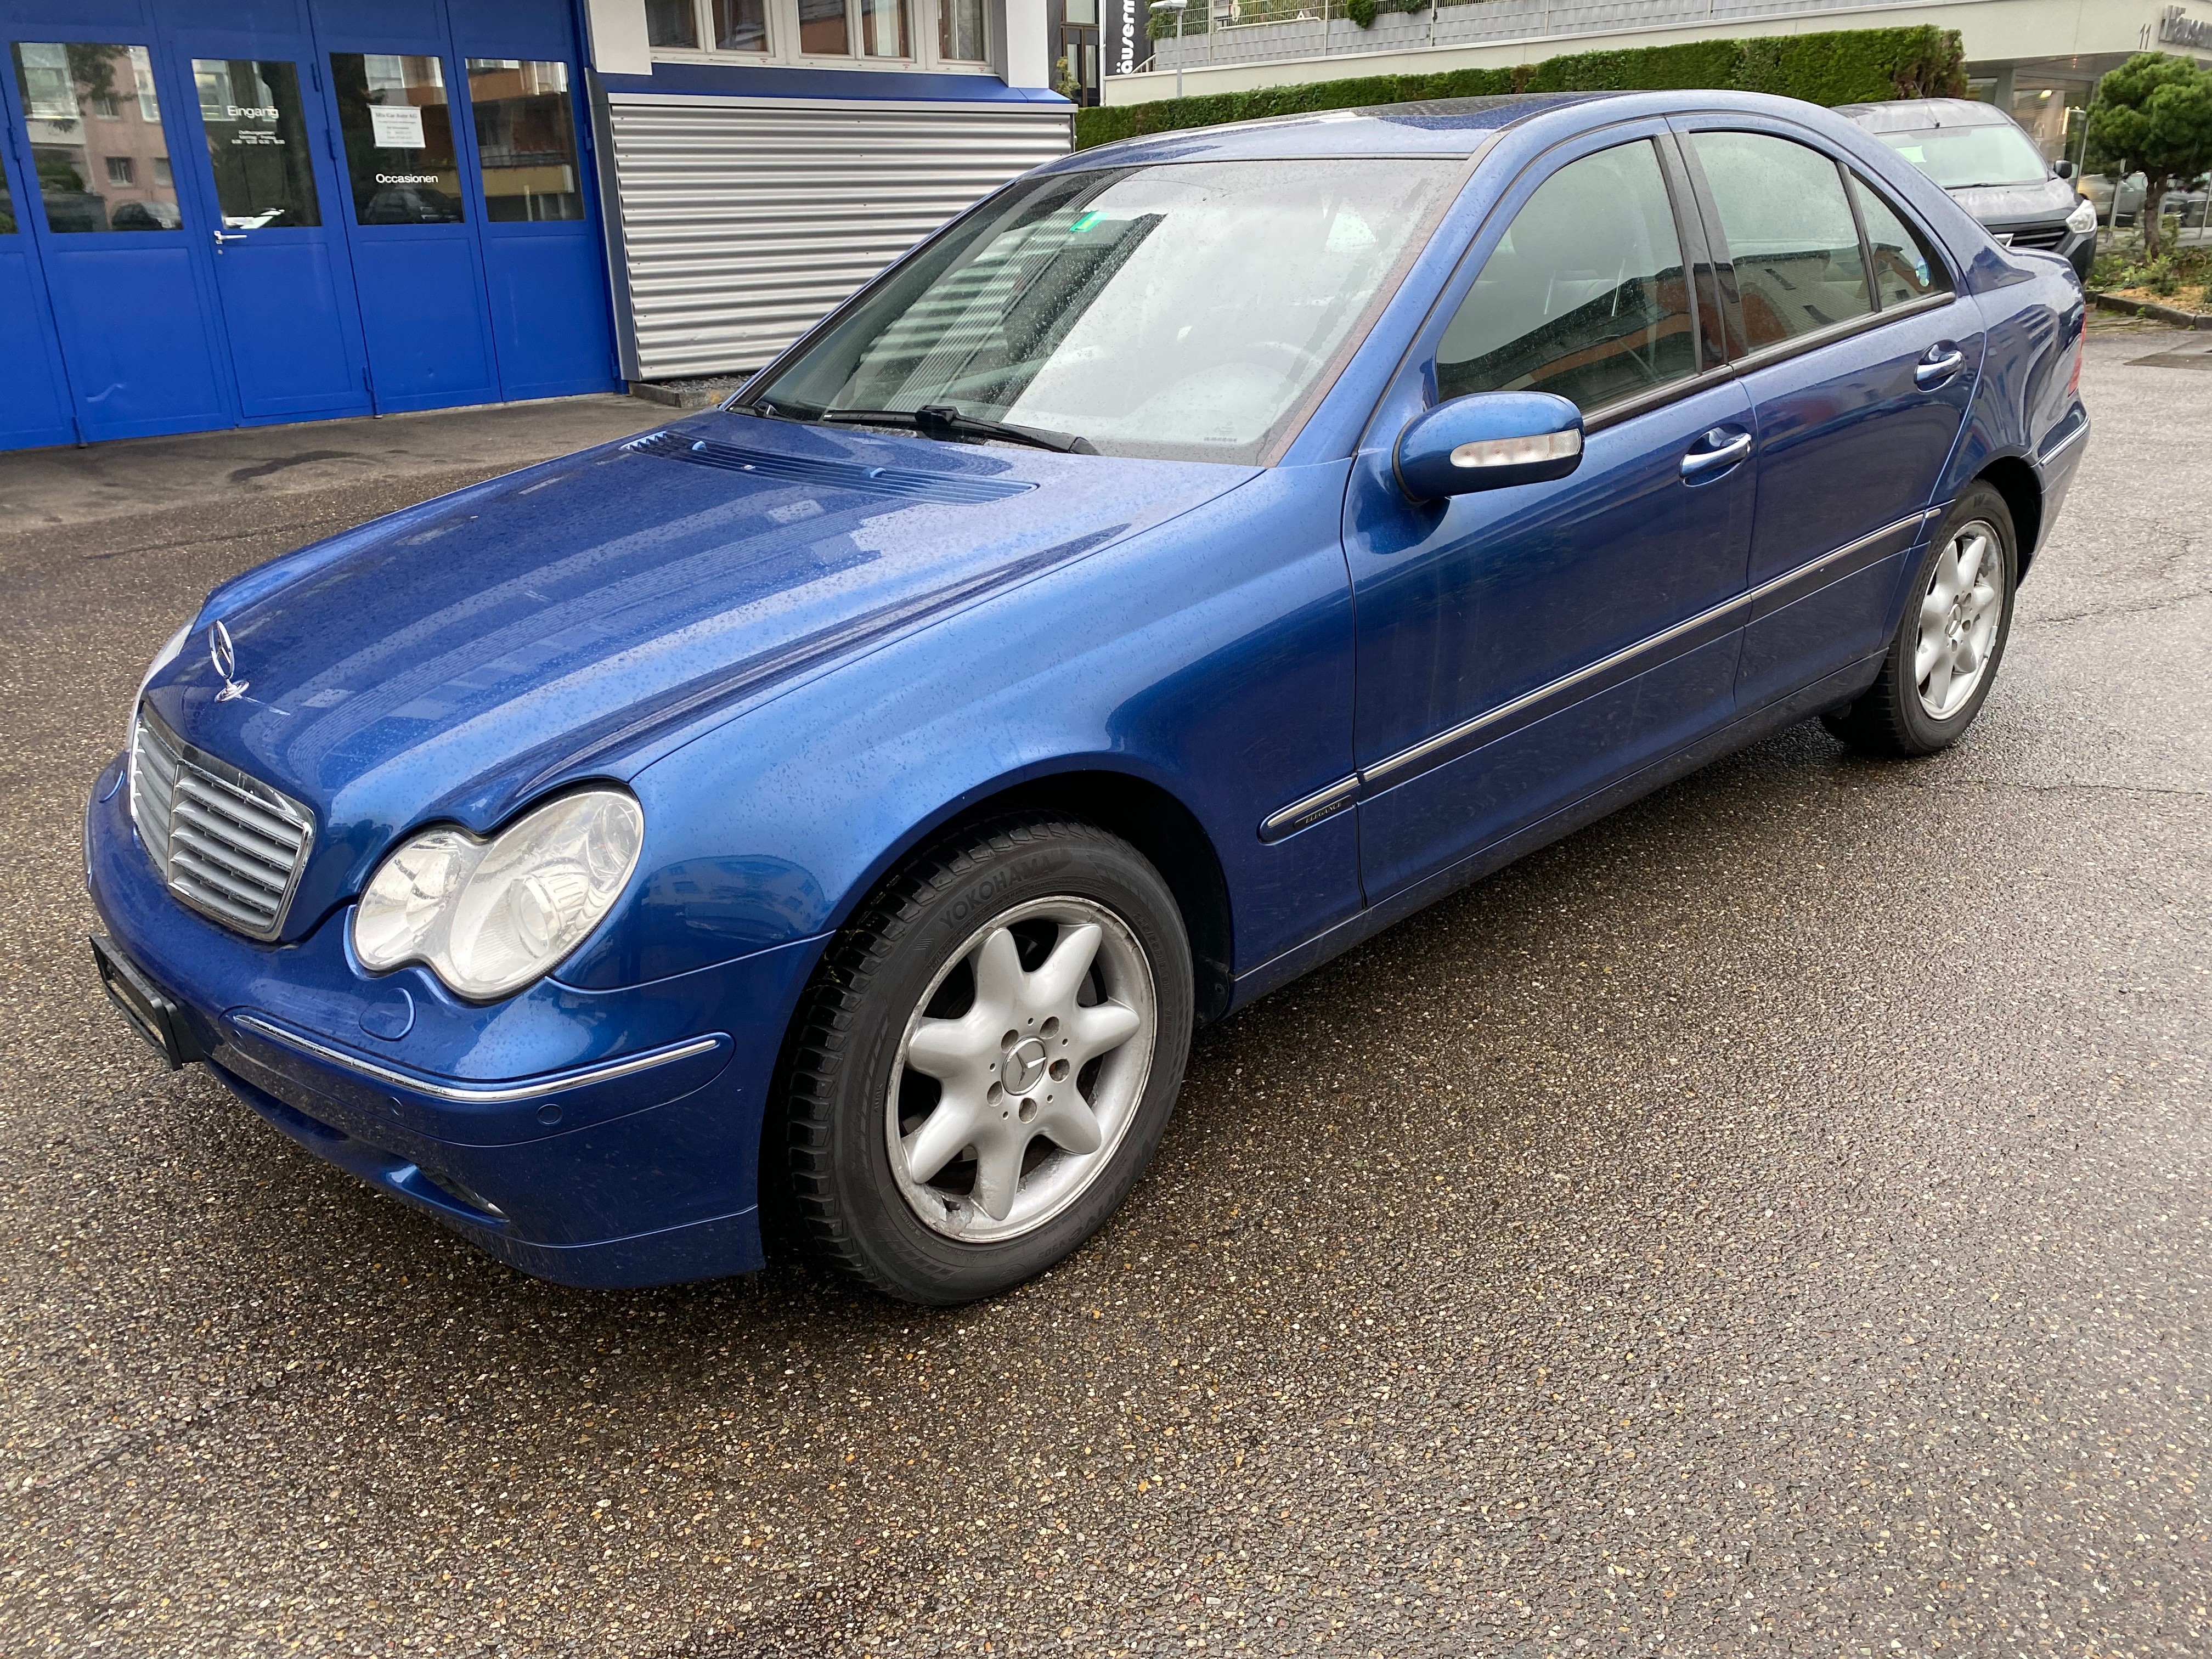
pixel 1844 66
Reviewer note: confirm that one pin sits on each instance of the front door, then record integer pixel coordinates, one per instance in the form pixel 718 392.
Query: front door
pixel 412 224
pixel 1860 360
pixel 126 264
pixel 1520 648
pixel 280 264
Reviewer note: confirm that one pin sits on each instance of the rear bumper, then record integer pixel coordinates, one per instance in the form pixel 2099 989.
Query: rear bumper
pixel 597 1139
pixel 2057 461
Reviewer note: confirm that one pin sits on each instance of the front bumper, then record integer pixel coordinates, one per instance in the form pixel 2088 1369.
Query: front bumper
pixel 594 1138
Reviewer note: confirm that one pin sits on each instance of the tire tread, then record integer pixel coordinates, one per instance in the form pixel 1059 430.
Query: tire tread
pixel 832 1004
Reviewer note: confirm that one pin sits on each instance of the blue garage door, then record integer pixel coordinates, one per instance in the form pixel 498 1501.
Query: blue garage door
pixel 219 212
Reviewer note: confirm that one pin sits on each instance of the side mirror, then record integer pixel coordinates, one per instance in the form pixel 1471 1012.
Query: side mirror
pixel 2063 169
pixel 1487 441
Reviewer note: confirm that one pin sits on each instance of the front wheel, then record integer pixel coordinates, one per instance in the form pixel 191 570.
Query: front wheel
pixel 986 1060
pixel 1945 654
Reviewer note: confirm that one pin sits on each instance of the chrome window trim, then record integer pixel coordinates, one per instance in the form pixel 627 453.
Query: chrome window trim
pixel 1784 350
pixel 1432 750
pixel 490 1094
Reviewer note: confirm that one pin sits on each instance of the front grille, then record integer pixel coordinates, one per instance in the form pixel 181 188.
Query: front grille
pixel 227 844
pixel 2043 236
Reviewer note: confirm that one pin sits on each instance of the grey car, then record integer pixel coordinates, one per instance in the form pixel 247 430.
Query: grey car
pixel 1992 169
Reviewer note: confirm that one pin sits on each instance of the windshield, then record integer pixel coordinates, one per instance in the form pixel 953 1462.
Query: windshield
pixel 1183 310
pixel 1957 157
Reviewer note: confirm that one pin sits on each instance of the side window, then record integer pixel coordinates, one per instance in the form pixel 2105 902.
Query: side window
pixel 1789 233
pixel 1904 267
pixel 1584 296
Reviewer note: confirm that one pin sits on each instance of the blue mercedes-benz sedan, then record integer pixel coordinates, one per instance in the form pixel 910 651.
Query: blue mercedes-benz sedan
pixel 1202 553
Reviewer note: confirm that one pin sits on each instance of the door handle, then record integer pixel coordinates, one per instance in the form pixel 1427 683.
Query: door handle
pixel 221 237
pixel 1700 465
pixel 1935 370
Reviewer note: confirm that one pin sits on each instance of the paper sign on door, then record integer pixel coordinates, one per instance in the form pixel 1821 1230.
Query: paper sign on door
pixel 396 126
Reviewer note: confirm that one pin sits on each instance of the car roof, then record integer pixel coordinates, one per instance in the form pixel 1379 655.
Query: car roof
pixel 1443 127
pixel 1436 126
pixel 1919 114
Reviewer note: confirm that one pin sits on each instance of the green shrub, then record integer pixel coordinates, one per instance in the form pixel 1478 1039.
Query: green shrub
pixel 1840 67
pixel 2161 278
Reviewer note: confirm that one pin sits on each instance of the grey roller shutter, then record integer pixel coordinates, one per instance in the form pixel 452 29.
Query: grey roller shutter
pixel 745 219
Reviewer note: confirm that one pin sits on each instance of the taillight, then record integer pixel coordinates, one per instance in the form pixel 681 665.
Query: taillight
pixel 2081 350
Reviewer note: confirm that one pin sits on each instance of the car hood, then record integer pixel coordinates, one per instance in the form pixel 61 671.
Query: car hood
pixel 2012 205
pixel 457 658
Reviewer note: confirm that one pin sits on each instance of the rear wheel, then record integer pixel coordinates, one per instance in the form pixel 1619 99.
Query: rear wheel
pixel 1945 654
pixel 987 1059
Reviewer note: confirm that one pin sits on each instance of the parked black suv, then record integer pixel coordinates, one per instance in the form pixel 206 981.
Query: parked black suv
pixel 1991 169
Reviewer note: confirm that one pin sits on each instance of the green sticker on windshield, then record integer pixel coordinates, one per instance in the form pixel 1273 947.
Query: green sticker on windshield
pixel 1913 154
pixel 1086 221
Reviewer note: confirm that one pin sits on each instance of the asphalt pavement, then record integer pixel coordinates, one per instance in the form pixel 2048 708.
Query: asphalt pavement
pixel 1776 1220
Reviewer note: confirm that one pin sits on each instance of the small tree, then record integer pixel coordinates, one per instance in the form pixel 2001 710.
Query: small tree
pixel 2154 116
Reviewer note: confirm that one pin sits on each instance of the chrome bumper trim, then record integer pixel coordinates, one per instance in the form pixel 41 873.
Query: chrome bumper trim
pixel 487 1094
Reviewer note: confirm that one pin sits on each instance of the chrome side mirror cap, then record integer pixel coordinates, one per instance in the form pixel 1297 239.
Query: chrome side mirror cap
pixel 1488 440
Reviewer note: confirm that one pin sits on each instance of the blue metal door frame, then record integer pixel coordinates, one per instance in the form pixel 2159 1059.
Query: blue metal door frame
pixel 134 333
pixel 35 402
pixel 289 310
pixel 134 310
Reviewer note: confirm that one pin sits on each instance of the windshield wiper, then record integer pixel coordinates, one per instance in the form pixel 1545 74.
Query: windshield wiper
pixel 944 420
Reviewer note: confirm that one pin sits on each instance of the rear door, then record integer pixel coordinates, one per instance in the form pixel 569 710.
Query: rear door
pixel 1860 360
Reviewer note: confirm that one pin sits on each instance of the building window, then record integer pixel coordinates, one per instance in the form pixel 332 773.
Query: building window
pixel 822 32
pixel 672 23
pixel 960 31
pixel 741 25
pixel 526 139
pixel 885 31
pixel 161 172
pixel 105 106
pixel 62 83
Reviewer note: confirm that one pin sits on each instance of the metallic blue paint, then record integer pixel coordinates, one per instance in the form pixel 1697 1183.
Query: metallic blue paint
pixel 1424 455
pixel 806 649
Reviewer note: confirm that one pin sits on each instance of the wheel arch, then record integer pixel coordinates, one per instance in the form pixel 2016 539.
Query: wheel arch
pixel 1142 811
pixel 2012 478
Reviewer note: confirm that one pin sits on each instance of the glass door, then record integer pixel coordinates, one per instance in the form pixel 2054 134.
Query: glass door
pixel 129 286
pixel 280 269
pixel 415 252
pixel 36 408
pixel 545 262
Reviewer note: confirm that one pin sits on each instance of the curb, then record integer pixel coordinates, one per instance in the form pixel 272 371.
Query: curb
pixel 2158 313
pixel 677 397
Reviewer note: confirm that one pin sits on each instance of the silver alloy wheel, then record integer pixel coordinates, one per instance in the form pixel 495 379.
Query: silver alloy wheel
pixel 1959 616
pixel 1037 1080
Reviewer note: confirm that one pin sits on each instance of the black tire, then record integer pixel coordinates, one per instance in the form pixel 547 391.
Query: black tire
pixel 1890 719
pixel 845 1198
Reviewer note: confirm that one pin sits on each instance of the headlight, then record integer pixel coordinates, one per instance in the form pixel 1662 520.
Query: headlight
pixel 487 917
pixel 2083 219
